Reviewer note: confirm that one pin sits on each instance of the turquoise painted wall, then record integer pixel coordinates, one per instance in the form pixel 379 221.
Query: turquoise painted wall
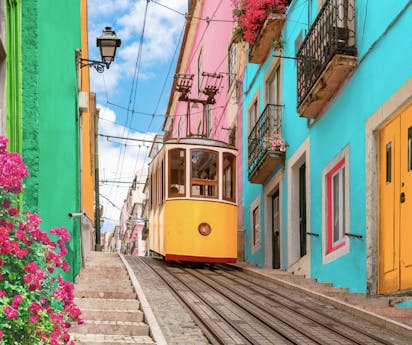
pixel 50 35
pixel 384 65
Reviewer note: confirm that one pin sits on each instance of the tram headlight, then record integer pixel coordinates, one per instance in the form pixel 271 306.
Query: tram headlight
pixel 204 229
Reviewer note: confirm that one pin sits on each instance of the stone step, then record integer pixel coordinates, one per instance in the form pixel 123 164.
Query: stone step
pixel 103 281
pixel 112 315
pixel 111 328
pixel 325 288
pixel 107 303
pixel 104 263
pixel 106 254
pixel 393 312
pixel 104 272
pixel 115 261
pixel 104 294
pixel 115 287
pixel 97 339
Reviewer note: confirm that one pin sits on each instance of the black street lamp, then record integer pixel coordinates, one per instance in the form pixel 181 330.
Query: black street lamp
pixel 107 43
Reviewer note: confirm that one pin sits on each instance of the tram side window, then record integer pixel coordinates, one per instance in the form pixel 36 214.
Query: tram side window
pixel 229 177
pixel 162 179
pixel 204 180
pixel 151 192
pixel 155 190
pixel 177 165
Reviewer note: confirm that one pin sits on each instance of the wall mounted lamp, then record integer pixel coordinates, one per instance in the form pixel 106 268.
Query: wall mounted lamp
pixel 108 42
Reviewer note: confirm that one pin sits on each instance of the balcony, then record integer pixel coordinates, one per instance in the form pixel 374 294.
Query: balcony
pixel 327 56
pixel 270 32
pixel 261 160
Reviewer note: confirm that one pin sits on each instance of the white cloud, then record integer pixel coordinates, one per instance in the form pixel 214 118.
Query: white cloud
pixel 119 163
pixel 106 7
pixel 162 31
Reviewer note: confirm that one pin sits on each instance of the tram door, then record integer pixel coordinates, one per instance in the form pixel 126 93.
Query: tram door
pixel 395 204
pixel 275 230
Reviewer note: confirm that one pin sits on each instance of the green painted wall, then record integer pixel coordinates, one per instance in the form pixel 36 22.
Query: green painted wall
pixel 50 35
pixel 13 75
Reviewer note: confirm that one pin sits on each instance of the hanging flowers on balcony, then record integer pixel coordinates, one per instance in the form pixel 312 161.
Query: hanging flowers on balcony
pixel 274 143
pixel 251 15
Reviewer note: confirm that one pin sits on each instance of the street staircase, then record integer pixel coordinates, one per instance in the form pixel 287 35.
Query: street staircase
pixel 109 304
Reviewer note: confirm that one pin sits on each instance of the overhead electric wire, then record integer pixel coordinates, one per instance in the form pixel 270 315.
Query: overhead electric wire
pixel 225 58
pixel 163 88
pixel 122 153
pixel 150 114
pixel 189 63
pixel 207 19
pixel 131 110
pixel 136 78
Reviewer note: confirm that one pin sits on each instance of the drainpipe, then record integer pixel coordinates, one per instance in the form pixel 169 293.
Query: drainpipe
pixel 79 153
pixel 96 182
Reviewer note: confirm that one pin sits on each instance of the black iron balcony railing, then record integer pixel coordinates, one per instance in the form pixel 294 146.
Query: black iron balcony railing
pixel 333 32
pixel 268 124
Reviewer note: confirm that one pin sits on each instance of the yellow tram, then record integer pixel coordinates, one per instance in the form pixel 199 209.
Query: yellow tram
pixel 192 203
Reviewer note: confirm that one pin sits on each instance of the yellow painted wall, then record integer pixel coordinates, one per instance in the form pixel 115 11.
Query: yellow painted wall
pixel 87 119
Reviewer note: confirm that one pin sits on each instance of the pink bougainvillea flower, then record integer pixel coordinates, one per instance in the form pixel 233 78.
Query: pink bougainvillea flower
pixel 23 244
pixel 17 299
pixel 252 14
pixel 10 312
pixel 13 211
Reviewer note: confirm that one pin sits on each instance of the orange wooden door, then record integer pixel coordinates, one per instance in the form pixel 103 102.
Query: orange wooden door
pixel 395 204
pixel 405 237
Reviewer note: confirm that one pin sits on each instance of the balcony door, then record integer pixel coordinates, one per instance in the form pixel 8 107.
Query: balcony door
pixel 395 204
pixel 273 86
pixel 273 96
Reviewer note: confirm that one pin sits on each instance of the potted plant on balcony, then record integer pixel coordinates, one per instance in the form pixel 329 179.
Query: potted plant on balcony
pixel 274 143
pixel 260 23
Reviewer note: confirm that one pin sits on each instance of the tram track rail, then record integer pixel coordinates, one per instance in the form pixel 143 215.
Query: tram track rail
pixel 323 319
pixel 249 312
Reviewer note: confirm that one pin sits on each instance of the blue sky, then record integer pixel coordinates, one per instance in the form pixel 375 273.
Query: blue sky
pixel 125 86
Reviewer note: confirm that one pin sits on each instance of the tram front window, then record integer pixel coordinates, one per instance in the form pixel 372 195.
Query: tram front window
pixel 176 172
pixel 204 181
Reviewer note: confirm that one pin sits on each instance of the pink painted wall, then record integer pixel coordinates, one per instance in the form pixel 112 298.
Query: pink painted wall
pixel 213 40
pixel 137 236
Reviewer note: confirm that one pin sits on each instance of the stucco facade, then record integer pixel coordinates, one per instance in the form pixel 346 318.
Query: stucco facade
pixel 50 35
pixel 345 131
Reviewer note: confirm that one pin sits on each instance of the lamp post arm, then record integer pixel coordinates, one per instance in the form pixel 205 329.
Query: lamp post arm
pixel 98 65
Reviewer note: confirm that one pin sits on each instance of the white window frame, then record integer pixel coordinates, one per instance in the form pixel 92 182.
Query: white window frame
pixel 255 245
pixel 231 64
pixel 254 100
pixel 199 70
pixel 333 250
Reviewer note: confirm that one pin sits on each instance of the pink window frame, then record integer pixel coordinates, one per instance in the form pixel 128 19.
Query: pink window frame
pixel 329 176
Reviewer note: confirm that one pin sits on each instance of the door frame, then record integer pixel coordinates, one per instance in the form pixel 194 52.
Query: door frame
pixel 295 263
pixel 276 183
pixel 388 110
